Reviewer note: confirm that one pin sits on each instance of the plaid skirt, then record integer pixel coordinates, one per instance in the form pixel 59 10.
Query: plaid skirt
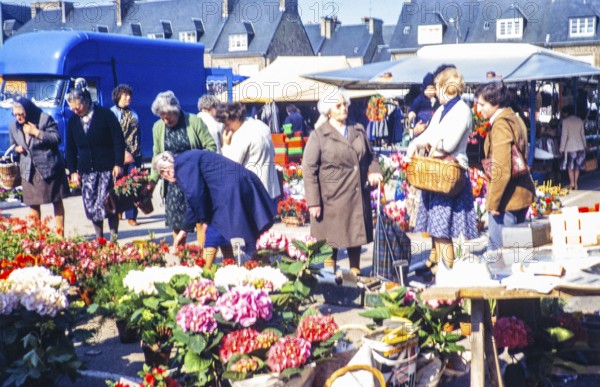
pixel 448 217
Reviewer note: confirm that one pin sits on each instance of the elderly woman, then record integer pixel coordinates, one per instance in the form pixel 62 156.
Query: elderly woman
pixel 445 217
pixel 339 167
pixel 248 141
pixel 237 207
pixel 95 151
pixel 207 105
pixel 176 131
pixel 129 121
pixel 36 139
pixel 507 198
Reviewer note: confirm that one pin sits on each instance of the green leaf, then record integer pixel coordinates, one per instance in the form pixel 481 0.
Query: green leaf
pixel 197 343
pixel 151 303
pixel 296 267
pixel 289 372
pixel 302 289
pixel 194 363
pixel 180 336
pixel 280 299
pixel 377 313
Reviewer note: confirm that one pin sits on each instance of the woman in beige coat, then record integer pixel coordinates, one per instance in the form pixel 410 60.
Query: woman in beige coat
pixel 339 170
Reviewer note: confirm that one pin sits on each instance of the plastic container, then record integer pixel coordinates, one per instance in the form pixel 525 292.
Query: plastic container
pixel 397 362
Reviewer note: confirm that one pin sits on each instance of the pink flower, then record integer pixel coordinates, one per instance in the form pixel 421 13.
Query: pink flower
pixel 202 291
pixel 271 240
pixel 510 332
pixel 317 328
pixel 242 341
pixel 288 352
pixel 196 318
pixel 244 305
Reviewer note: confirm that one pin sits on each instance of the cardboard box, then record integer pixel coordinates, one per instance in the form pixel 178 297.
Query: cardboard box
pixel 527 234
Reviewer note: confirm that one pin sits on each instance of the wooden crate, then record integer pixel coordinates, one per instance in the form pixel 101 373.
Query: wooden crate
pixel 574 228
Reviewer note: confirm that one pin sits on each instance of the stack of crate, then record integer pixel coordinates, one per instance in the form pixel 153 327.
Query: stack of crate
pixel 281 148
pixel 295 147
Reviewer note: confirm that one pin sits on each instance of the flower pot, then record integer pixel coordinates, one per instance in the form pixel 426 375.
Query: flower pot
pixel 293 221
pixel 144 204
pixel 154 356
pixel 126 335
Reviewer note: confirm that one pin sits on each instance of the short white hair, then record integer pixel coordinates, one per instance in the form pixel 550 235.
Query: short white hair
pixel 163 160
pixel 329 100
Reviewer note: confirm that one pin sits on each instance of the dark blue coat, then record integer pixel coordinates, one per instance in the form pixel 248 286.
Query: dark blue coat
pixel 225 194
pixel 422 107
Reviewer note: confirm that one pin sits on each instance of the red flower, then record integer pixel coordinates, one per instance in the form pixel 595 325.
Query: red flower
pixel 69 275
pixel 101 241
pixel 149 379
pixel 228 261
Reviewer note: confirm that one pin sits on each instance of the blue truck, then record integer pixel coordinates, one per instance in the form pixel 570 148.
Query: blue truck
pixel 42 66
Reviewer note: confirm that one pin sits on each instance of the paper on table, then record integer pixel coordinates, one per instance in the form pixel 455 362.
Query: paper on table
pixel 527 281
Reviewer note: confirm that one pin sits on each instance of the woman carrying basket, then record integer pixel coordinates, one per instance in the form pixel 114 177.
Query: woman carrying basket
pixel 44 180
pixel 445 217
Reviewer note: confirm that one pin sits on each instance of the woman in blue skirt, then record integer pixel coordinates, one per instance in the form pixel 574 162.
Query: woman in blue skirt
pixel 445 217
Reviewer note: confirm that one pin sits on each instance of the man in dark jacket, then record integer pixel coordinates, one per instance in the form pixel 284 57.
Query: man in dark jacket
pixel 295 118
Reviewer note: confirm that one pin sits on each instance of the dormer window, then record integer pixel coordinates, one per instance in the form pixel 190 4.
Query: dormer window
pixel 406 30
pixel 238 42
pixel 509 28
pixel 188 37
pixel 582 27
pixel 167 28
pixel 136 29
pixel 486 25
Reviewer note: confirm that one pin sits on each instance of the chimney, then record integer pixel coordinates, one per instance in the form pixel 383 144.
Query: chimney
pixel 121 9
pixel 375 25
pixel 288 5
pixel 65 8
pixel 328 25
pixel 225 8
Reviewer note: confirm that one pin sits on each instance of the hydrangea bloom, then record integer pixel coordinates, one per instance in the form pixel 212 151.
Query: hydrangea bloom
pixel 202 290
pixel 510 332
pixel 142 281
pixel 36 289
pixel 288 352
pixel 317 328
pixel 231 275
pixel 294 252
pixel 196 318
pixel 244 305
pixel 272 240
pixel 242 342
pixel 267 278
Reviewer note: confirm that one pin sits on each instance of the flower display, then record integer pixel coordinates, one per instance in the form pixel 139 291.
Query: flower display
pixel 480 210
pixel 292 207
pixel 292 172
pixel 201 291
pixel 288 352
pixel 297 253
pixel 272 240
pixel 142 281
pixel 510 332
pixel 478 182
pixel 317 327
pixel 157 377
pixel 245 365
pixel 376 110
pixel 196 318
pixel 245 305
pixel 231 275
pixel 131 184
pixel 190 255
pixel 36 289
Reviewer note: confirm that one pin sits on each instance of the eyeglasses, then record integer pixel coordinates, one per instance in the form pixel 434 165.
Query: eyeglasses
pixel 21 114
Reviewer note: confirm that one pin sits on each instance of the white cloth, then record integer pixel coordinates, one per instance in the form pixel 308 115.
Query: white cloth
pixel 214 127
pixel 252 146
pixel 450 135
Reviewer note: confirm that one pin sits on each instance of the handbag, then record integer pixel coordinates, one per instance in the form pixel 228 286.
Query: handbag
pixel 518 164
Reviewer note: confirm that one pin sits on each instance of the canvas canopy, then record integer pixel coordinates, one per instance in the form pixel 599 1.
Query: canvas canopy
pixel 511 62
pixel 281 81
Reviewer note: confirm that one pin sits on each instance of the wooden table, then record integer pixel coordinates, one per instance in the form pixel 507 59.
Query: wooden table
pixel 483 347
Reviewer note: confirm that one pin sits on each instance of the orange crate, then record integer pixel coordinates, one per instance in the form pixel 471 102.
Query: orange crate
pixel 278 137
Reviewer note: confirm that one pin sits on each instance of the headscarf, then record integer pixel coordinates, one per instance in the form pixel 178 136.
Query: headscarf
pixel 32 112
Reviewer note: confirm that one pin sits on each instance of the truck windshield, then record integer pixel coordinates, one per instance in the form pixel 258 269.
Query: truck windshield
pixel 44 92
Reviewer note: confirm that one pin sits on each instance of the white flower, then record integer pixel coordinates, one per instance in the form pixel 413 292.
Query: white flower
pixel 36 289
pixel 270 275
pixel 142 281
pixel 232 275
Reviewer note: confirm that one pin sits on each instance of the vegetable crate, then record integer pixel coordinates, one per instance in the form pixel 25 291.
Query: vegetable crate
pixel 574 228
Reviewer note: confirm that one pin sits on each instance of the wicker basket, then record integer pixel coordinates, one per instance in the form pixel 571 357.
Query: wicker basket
pixel 435 175
pixel 356 367
pixel 10 174
pixel 293 221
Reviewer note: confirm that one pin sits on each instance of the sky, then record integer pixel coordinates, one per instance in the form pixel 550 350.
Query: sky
pixel 311 11
pixel 350 11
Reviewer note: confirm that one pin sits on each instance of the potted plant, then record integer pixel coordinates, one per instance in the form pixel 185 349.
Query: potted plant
pixel 131 190
pixel 292 211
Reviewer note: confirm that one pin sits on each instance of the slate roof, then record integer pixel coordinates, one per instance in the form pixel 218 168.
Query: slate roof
pixel 12 11
pixel 314 36
pixel 265 20
pixel 546 22
pixel 388 32
pixel 349 41
pixel 85 18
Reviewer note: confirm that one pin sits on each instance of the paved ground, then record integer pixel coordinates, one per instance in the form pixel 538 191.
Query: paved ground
pixel 106 357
